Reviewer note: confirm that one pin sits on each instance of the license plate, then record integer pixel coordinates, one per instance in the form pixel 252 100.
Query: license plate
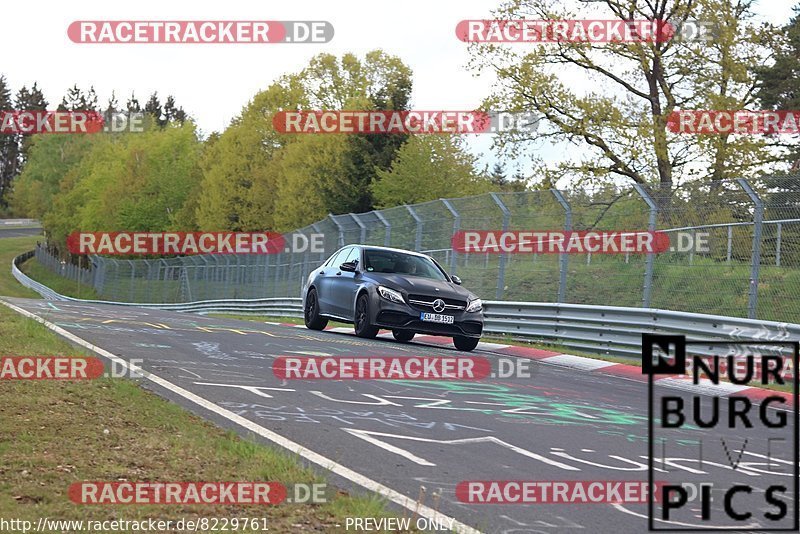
pixel 436 318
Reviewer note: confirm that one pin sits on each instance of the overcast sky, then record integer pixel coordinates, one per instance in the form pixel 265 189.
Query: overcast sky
pixel 213 82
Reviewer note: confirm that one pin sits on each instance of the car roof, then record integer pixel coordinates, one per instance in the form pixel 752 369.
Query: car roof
pixel 373 247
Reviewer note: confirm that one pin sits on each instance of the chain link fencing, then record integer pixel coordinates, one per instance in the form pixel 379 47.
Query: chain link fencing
pixel 744 260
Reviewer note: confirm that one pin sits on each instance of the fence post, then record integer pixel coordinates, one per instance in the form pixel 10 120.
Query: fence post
pixel 501 271
pixel 456 228
pixel 778 247
pixel 730 243
pixel 647 291
pixel 387 239
pixel 318 231
pixel 363 228
pixel 563 258
pixel 133 281
pixel 755 258
pixel 339 228
pixel 418 238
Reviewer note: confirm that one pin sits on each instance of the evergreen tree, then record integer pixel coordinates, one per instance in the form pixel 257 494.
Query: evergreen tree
pixel 28 100
pixel 133 104
pixel 9 147
pixel 172 112
pixel 153 107
pixel 78 100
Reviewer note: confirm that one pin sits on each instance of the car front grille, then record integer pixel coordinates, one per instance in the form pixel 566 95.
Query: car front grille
pixel 425 302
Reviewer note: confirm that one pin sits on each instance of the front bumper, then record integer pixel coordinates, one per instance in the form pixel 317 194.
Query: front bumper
pixel 395 316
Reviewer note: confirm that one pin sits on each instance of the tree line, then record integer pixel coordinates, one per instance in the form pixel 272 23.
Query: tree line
pixel 250 177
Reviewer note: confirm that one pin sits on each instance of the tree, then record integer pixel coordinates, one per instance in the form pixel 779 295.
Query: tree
pixel 50 159
pixel 130 181
pixel 9 148
pixel 240 177
pixel 28 100
pixel 257 178
pixel 428 167
pixel 153 107
pixel 378 82
pixel 78 100
pixel 172 112
pixel 133 104
pixel 619 121
pixel 779 83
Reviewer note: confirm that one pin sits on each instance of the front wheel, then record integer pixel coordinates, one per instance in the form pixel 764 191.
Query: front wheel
pixel 313 319
pixel 361 320
pixel 465 343
pixel 403 335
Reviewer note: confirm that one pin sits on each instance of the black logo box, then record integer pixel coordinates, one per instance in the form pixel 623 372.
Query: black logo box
pixel 678 367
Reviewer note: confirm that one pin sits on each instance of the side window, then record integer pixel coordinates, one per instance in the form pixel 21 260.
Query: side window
pixel 332 260
pixel 353 256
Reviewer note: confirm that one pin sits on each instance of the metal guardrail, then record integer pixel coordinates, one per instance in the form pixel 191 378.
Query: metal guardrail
pixel 283 307
pixel 610 330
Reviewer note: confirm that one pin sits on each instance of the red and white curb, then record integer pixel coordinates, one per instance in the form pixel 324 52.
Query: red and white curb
pixel 581 363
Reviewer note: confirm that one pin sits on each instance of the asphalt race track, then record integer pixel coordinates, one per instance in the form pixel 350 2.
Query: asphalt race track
pixel 10 231
pixel 558 424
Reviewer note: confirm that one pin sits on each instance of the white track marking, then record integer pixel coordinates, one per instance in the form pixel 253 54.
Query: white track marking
pixel 314 457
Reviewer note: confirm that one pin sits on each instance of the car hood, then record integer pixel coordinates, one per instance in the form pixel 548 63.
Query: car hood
pixel 422 286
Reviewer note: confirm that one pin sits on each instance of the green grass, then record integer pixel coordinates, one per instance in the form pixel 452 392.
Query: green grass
pixel 706 286
pixel 10 248
pixel 56 282
pixel 112 429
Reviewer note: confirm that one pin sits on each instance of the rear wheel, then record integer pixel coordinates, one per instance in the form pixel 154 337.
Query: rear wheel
pixel 361 320
pixel 465 343
pixel 313 319
pixel 403 335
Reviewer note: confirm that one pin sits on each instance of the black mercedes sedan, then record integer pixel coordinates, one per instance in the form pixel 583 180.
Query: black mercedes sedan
pixel 403 291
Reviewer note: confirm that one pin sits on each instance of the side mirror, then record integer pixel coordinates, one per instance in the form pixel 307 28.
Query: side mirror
pixel 349 266
pixel 456 280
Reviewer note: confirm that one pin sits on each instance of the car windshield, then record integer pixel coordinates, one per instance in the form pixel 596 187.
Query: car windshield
pixel 392 262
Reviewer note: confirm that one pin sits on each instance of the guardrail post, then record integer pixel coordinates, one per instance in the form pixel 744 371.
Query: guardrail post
pixel 647 291
pixel 362 227
pixel 456 228
pixel 387 239
pixel 755 258
pixel 563 258
pixel 338 227
pixel 418 237
pixel 501 271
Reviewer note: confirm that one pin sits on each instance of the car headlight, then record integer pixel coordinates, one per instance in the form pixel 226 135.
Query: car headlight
pixel 390 294
pixel 475 306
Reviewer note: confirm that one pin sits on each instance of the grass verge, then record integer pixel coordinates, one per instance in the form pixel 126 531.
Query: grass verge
pixel 58 283
pixel 113 430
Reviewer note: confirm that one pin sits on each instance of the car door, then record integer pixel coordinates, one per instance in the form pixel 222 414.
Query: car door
pixel 326 282
pixel 344 285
